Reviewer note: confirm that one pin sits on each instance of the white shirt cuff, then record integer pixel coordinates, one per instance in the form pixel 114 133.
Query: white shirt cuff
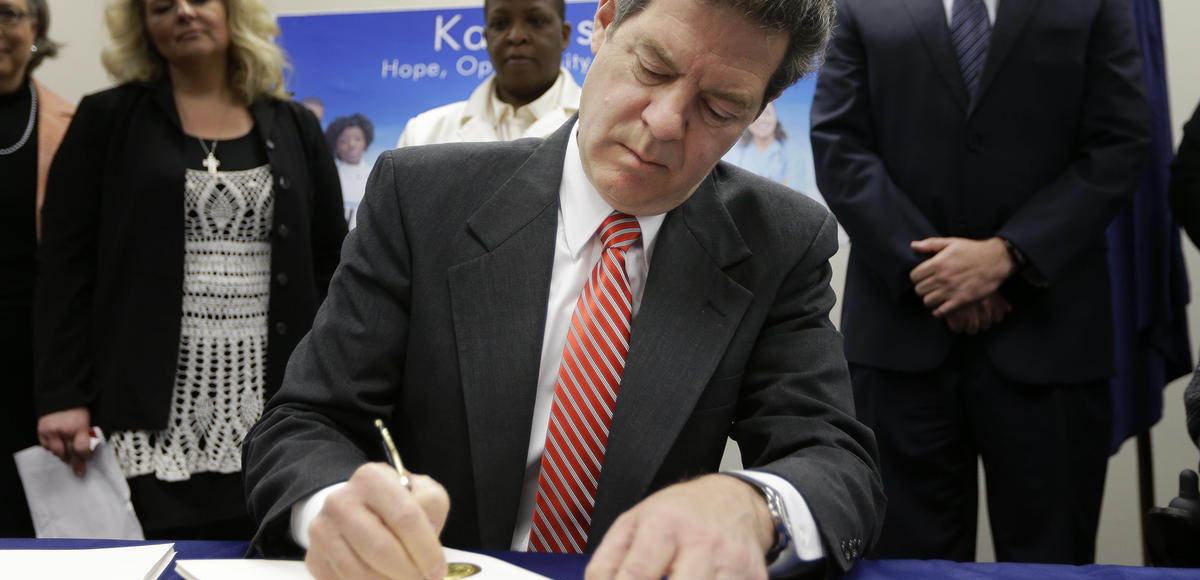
pixel 806 541
pixel 306 510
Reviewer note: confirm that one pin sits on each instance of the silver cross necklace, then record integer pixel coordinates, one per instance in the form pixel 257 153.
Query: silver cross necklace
pixel 210 158
pixel 210 154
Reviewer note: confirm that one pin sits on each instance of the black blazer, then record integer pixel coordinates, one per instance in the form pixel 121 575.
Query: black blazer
pixel 435 321
pixel 110 282
pixel 1050 148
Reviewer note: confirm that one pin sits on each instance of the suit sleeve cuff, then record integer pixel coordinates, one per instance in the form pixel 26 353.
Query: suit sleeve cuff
pixel 805 546
pixel 306 510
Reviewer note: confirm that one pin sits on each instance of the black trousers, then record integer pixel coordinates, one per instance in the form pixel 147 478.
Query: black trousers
pixel 1044 450
pixel 18 422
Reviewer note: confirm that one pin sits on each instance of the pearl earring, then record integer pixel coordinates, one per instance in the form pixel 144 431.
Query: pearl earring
pixel 33 48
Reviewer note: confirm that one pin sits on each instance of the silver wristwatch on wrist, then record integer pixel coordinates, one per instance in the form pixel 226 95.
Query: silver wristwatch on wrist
pixel 779 518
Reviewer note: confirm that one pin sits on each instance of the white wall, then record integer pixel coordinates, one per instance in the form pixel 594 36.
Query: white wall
pixel 77 71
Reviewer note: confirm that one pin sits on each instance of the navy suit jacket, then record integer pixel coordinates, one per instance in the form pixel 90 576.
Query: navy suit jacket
pixel 1047 151
pixel 435 320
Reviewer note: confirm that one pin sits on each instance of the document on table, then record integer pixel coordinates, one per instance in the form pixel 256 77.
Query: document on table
pixel 129 563
pixel 463 565
pixel 64 505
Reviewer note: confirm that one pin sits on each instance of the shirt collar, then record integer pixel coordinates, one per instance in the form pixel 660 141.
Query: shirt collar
pixel 582 210
pixel 549 101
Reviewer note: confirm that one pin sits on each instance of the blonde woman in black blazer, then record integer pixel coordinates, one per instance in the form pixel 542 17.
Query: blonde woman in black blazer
pixel 192 222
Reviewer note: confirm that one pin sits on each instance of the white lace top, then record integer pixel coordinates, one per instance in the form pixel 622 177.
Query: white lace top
pixel 221 368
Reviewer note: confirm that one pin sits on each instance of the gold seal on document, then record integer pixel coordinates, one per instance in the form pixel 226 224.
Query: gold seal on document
pixel 456 570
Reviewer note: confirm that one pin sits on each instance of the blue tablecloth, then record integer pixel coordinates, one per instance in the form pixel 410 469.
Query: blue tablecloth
pixel 570 567
pixel 943 570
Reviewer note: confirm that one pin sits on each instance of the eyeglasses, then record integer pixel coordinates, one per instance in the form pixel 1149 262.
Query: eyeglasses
pixel 10 17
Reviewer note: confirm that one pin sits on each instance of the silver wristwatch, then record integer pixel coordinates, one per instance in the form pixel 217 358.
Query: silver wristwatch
pixel 779 517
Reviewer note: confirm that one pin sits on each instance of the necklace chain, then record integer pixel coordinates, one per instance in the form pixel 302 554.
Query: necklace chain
pixel 210 155
pixel 28 126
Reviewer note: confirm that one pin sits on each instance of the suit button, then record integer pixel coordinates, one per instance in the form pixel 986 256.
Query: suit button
pixel 281 278
pixel 280 328
pixel 270 144
pixel 283 182
pixel 974 142
pixel 282 230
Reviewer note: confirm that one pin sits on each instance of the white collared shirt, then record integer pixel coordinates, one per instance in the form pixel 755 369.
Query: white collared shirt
pixel 512 122
pixel 991 10
pixel 576 251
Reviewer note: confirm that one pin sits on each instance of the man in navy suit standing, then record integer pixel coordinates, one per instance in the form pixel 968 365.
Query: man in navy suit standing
pixel 975 151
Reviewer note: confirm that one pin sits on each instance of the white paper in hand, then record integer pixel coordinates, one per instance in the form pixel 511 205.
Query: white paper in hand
pixel 66 506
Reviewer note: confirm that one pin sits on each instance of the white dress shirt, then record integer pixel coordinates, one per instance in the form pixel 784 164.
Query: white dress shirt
pixel 991 10
pixel 484 117
pixel 577 249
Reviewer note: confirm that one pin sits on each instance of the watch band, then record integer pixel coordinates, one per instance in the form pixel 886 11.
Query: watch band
pixel 779 517
pixel 1020 261
pixel 1024 269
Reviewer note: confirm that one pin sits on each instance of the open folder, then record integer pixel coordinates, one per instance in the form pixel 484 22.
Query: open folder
pixel 463 565
pixel 129 563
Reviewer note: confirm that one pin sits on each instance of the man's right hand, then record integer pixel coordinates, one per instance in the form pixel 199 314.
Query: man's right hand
pixel 374 527
pixel 980 315
pixel 67 434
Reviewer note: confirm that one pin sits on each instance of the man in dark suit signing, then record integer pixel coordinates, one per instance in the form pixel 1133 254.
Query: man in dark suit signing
pixel 562 333
pixel 975 151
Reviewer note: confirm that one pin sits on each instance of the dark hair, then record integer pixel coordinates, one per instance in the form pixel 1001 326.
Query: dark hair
pixel 44 47
pixel 808 24
pixel 560 6
pixel 340 124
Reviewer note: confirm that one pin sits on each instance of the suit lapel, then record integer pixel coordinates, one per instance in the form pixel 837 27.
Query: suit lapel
pixel 689 312
pixel 929 18
pixel 1011 18
pixel 503 293
pixel 548 122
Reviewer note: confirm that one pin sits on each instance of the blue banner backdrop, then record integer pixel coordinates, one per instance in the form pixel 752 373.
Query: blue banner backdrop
pixel 390 66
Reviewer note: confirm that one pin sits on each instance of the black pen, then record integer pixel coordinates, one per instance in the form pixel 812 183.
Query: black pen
pixel 392 455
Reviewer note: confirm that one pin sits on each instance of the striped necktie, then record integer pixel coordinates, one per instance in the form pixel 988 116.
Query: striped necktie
pixel 971 32
pixel 588 378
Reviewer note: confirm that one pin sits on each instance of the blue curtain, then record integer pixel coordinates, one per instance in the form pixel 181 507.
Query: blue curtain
pixel 1149 283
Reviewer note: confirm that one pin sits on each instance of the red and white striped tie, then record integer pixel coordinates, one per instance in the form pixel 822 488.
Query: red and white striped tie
pixel 588 378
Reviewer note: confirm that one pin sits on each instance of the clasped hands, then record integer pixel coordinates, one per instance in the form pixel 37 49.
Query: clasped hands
pixel 960 282
pixel 714 526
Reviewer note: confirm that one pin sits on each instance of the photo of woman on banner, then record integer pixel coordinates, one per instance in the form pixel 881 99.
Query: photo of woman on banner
pixel 760 150
pixel 349 137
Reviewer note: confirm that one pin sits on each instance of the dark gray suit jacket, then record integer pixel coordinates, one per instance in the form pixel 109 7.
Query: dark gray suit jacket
pixel 435 318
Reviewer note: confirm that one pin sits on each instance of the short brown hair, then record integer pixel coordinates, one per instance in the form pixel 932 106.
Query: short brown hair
pixel 44 47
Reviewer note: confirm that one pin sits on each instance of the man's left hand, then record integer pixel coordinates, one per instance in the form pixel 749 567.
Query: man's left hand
pixel 715 526
pixel 961 271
